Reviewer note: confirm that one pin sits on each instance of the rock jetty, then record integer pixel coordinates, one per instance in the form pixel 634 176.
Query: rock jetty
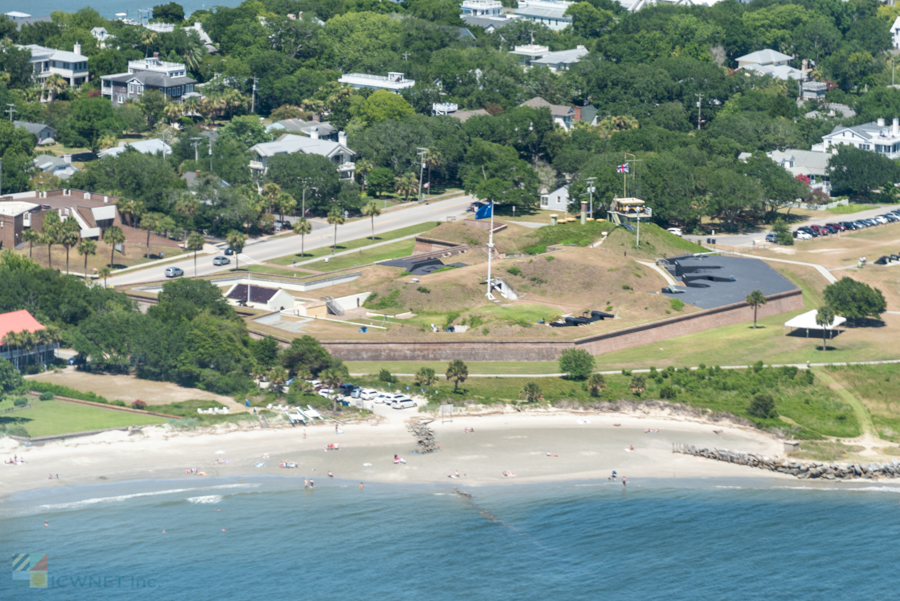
pixel 801 469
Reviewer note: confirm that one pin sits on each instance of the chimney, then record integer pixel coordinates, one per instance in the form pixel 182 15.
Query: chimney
pixel 804 65
pixel 895 127
pixel 77 49
pixel 67 158
pixel 342 138
pixel 156 55
pixel 314 133
pixel 880 122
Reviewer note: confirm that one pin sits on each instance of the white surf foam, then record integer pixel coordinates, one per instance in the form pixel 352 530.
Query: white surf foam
pixel 206 499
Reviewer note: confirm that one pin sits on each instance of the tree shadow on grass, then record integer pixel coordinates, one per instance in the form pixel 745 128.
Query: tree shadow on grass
pixel 756 328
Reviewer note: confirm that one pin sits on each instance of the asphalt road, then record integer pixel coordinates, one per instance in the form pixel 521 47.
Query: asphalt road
pixel 271 248
pixel 760 237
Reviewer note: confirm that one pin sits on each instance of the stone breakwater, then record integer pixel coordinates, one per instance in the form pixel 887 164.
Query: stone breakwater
pixel 801 469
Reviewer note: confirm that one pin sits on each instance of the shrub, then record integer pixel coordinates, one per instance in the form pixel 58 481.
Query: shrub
pixel 514 271
pixel 762 406
pixel 485 331
pixel 626 287
pixel 610 308
pixel 638 384
pixel 550 257
pixel 46 396
pixel 667 392
pixel 17 430
pixel 576 363
pixel 596 383
pixel 65 391
pixel 423 290
pixel 385 376
pixel 118 403
pixel 139 405
pixel 20 401
pixel 425 376
pixel 531 393
pixel 677 304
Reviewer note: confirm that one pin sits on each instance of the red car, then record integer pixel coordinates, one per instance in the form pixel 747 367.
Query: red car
pixel 837 226
pixel 819 230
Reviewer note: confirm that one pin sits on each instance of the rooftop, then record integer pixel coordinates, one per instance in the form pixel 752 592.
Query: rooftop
pixel 485 22
pixel 562 57
pixel 258 294
pixel 151 146
pixel 34 128
pixel 391 80
pixel 42 52
pixel 18 321
pixel 289 144
pixel 557 109
pixel 16 207
pixel 764 57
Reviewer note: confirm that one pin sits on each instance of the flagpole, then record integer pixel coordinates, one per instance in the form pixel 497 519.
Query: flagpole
pixel 490 251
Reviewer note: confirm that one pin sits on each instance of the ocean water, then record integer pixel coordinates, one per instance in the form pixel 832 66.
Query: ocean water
pixel 107 8
pixel 660 539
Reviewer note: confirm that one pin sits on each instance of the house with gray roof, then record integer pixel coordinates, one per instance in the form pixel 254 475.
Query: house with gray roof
pixel 551 13
pixel 813 165
pixel 562 115
pixel 152 146
pixel 336 152
pixel 43 132
pixel 534 55
pixel 876 136
pixel 148 73
pixel 61 167
pixel 305 128
pixel 21 19
pixel 72 66
pixel 770 63
pixel 489 24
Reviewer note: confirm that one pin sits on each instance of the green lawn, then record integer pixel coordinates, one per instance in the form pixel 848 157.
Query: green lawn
pixel 351 244
pixel 439 367
pixel 395 250
pixel 276 271
pixel 655 243
pixel 851 208
pixel 45 418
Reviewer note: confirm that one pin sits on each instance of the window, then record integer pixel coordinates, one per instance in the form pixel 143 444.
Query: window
pixel 131 88
pixel 545 201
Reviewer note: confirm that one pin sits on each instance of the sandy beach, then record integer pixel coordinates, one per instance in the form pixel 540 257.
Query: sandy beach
pixel 580 446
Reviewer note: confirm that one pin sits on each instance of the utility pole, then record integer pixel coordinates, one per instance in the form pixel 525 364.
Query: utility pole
pixel 421 152
pixel 406 56
pixel 700 97
pixel 490 252
pixel 194 142
pixel 11 110
pixel 590 182
pixel 253 97
pixel 210 156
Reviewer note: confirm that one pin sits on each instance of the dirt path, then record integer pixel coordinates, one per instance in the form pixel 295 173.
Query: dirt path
pixel 862 414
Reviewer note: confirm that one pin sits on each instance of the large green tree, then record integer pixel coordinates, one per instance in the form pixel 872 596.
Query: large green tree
pixel 860 172
pixel 855 300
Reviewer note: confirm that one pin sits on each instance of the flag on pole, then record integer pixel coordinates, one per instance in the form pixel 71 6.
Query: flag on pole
pixel 485 211
pixel 622 168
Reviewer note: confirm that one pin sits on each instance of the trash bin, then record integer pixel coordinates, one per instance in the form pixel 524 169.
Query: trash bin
pixel 247 402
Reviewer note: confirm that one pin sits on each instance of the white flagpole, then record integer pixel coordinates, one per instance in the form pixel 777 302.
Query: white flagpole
pixel 490 252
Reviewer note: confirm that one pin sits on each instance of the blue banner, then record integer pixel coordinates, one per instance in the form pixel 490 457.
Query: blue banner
pixel 484 211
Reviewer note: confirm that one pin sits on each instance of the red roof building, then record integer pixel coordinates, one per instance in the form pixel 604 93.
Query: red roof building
pixel 18 321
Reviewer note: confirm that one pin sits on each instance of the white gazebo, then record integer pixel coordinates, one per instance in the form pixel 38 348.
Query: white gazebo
pixel 807 321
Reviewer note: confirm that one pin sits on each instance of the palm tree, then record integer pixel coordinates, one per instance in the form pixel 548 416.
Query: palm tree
pixel 531 393
pixel 372 210
pixel 31 236
pixel 432 158
pixel 150 222
pixel 86 247
pixel 104 272
pixel 302 227
pixel 11 342
pixel 336 218
pixel 824 319
pixel 50 233
pixel 192 56
pixel 147 38
pixel 195 242
pixel 277 376
pixel 363 168
pixel 69 235
pixel 192 106
pixel 285 203
pixel 172 111
pixel 236 240
pixel 55 84
pixel 128 208
pixel 187 206
pixel 112 236
pixel 406 184
pixel 271 192
pixel 331 378
pixel 596 383
pixel 458 372
pixel 755 299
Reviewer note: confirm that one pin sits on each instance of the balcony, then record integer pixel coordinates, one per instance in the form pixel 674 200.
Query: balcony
pixel 257 165
pixel 347 169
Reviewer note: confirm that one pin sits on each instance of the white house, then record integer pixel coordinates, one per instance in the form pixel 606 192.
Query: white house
pixel 481 8
pixel 73 66
pixel 876 137
pixel 534 55
pixel 101 35
pixel 61 167
pixel 771 63
pixel 296 126
pixel 813 165
pixel 336 152
pixel 393 82
pixel 895 32
pixel 558 200
pixel 152 146
pixel 547 12
pixel 633 6
pixel 148 73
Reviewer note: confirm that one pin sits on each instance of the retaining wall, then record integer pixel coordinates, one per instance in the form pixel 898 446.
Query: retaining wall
pixel 542 350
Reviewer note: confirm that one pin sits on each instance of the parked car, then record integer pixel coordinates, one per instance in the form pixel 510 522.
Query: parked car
pixel 347 388
pixel 801 235
pixel 174 272
pixel 366 394
pixel 475 206
pixel 870 222
pixel 221 261
pixel 403 403
pixel 829 229
pixel 880 219
pixel 772 237
pixel 315 383
pixel 675 230
pixel 836 226
pixel 387 398
pixel 812 233
pixel 848 226
pixel 819 230
pixel 326 392
pixel 891 217
pixel 229 251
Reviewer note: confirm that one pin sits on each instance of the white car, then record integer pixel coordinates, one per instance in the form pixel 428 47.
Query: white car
pixel 403 403
pixel 387 398
pixel 880 219
pixel 802 236
pixel 326 392
pixel 366 394
pixel 314 383
pixel 675 230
